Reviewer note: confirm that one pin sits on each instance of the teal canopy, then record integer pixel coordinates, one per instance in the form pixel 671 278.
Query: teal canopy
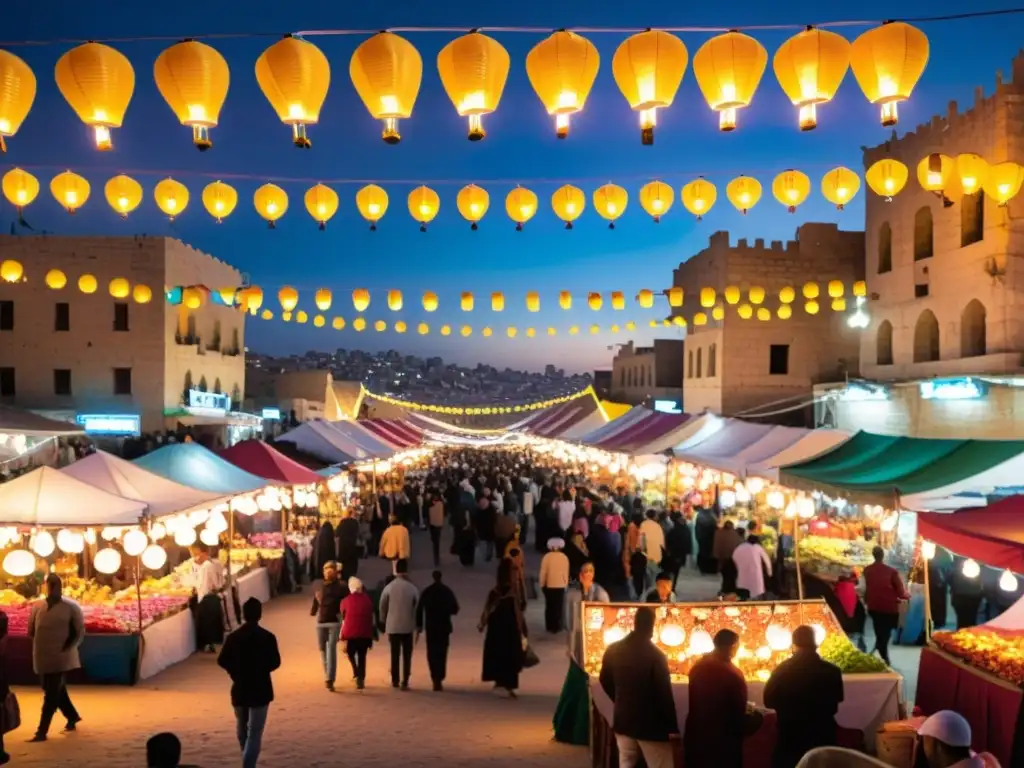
pixel 873 469
pixel 193 465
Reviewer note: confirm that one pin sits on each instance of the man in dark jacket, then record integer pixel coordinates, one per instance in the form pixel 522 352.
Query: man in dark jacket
pixel 634 674
pixel 249 655
pixel 434 613
pixel 805 691
pixel 718 704
pixel 678 545
pixel 348 546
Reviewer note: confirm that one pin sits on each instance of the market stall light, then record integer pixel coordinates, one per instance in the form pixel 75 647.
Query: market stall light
pixel 90 536
pixel 613 635
pixel 19 563
pixel 185 536
pixel 70 542
pixel 970 569
pixel 1008 582
pixel 157 531
pixel 154 557
pixel 134 542
pixel 952 389
pixel 779 638
pixel 727 499
pixel 701 643
pixel 819 634
pixel 805 507
pixel 776 499
pixel 107 560
pixel 43 544
pixel 927 549
pixel 110 534
pixel 208 537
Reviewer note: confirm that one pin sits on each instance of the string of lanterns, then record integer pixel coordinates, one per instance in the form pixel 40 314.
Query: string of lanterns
pixel 386 70
pixel 938 173
pixel 481 410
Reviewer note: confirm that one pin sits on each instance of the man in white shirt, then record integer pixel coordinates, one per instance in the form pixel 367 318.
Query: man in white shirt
pixel 652 537
pixel 752 562
pixel 207 582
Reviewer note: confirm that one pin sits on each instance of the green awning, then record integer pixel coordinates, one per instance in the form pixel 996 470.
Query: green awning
pixel 872 469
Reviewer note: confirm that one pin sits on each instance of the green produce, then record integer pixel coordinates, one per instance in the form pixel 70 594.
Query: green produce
pixel 851 661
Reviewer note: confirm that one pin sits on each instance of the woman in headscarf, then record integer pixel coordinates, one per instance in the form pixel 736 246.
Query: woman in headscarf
pixel 325 550
pixel 357 629
pixel 514 554
pixel 506 629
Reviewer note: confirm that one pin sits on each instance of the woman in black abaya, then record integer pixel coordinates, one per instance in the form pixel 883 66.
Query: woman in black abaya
pixel 506 629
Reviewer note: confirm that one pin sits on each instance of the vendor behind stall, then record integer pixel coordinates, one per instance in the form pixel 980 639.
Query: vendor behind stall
pixel 207 585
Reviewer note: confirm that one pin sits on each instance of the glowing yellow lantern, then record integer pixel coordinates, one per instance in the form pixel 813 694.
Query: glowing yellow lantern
pixel 675 296
pixel 372 202
pixel 718 313
pixel 466 301
pixel 123 194
pixel 645 298
pixel 322 203
pixel 784 312
pixel 935 172
pixel 649 68
pixel 698 196
pixel 380 326
pixel 423 329
pixel 811 290
pixel 887 62
pixel 70 190
pixel 972 171
pixel 219 200
pixel 17 92
pixel 487 332
pixel 271 203
pixel 552 331
pixel 193 78
pixel 301 317
pixel 700 318
pixel 839 186
pixel 618 300
pixel 192 297
pixel 679 321
pixel 1004 182
pixel 97 82
pixel 520 205
pixel 171 197
pixel 595 329
pixel 745 311
pixel 860 288
pixel 756 295
pixel 595 301
pixel 19 187
pixel 446 330
pixel 811 307
pixel 731 294
pixel 836 288
pixel 266 314
pixel 323 298
pixel 839 304
pixel 728 68
pixel 787 295
pixel 466 331
pixel 319 321
pixel 142 294
pixel 338 323
pixel 573 330
pixel 886 178
pixel 531 333
pixel 511 331
pixel 707 297
pixel 533 301
pixel 424 205
pixel 472 202
pixel 764 314
pixel 294 76
pixel 430 301
pixel 288 297
pixel 394 300
pixel 562 69
pixel 400 326
pixel 568 203
pixel 743 192
pixel 386 71
pixel 610 201
pixel 497 301
pixel 119 288
pixel 656 197
pixel 791 188
pixel 55 279
pixel 251 298
pixel 359 324
pixel 11 271
pixel 87 284
pixel 565 299
pixel 810 66
pixel 473 70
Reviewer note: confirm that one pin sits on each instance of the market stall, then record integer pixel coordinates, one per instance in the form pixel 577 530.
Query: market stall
pixel 28 439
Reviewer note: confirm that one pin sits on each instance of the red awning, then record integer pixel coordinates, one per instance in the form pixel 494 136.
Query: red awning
pixel 993 535
pixel 258 458
pixel 385 429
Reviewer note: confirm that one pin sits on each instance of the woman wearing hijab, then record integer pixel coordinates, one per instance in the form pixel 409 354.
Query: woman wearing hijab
pixel 357 629
pixel 325 550
pixel 506 629
pixel 514 554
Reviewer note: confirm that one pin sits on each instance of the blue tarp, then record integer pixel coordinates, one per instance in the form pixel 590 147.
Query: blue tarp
pixel 192 465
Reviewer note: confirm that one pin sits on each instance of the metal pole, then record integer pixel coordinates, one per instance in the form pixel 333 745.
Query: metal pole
pixel 796 555
pixel 231 536
pixel 138 587
pixel 927 596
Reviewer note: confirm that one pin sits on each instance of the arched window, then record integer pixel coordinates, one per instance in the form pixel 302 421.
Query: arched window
pixel 689 365
pixel 698 363
pixel 972 330
pixel 202 384
pixel 215 342
pixel 926 338
pixel 884 248
pixel 923 234
pixel 712 360
pixel 216 386
pixel 883 344
pixel 972 219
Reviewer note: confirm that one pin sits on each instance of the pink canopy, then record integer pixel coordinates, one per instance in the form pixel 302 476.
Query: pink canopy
pixel 993 535
pixel 397 434
pixel 643 432
pixel 258 458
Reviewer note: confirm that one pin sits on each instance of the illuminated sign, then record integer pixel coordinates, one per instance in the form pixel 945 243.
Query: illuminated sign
pixel 667 406
pixel 860 392
pixel 109 424
pixel 208 403
pixel 952 389
pixel 271 413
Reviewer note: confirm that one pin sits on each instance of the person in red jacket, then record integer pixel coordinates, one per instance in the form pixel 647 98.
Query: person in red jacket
pixel 357 629
pixel 884 590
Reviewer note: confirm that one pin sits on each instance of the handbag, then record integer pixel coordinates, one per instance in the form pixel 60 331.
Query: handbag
pixel 530 658
pixel 11 713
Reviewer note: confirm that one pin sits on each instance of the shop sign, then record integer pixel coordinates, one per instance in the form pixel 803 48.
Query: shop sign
pixel 110 424
pixel 952 389
pixel 272 413
pixel 200 402
pixel 667 406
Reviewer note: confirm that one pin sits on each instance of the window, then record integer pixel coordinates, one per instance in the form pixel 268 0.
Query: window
pixel 120 316
pixel 62 316
pixel 884 248
pixel 778 360
pixel 883 344
pixel 6 382
pixel 923 234
pixel 622 377
pixel 61 381
pixel 215 343
pixel 122 381
pixel 699 351
pixel 926 338
pixel 920 290
pixel 6 315
pixel 235 346
pixel 712 361
pixel 972 330
pixel 972 219
pixel 689 365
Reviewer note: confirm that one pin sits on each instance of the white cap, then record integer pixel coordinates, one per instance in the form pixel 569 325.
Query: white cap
pixel 949 727
pixel 555 544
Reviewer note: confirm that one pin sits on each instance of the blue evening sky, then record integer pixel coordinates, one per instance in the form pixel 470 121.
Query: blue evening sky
pixel 521 146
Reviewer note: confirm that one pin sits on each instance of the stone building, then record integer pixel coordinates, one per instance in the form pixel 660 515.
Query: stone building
pixel 641 374
pixel 72 354
pixel 733 365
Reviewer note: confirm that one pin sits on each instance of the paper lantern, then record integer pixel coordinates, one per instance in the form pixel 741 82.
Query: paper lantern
pixel 784 312
pixel 1004 182
pixel 97 82
pixel 565 299
pixel 266 314
pixel 251 298
pixel 531 333
pixel 791 188
pixel 193 78
pixel 839 186
pixel 360 299
pixel 935 172
pixel 728 68
pixel 321 203
pixel 860 288
pixel 745 311
pixel 568 203
pixel 532 301
pixel 886 178
pixel 423 329
pixel 134 542
pixel 562 69
pixel 698 196
pixel 87 284
pixel 473 70
pixel 123 194
pixel 301 317
pixel 171 197
pixel 372 202
pixel 386 70
pixel 466 301
pixel 142 294
pixel 19 187
pixel 395 301
pixel 219 200
pixel 1008 582
pixel 511 331
pixel 154 557
pixel 552 331
pixel 430 301
pixel 497 301
pixel 19 563
pixel 466 331
pixel 972 170
pixel 319 321
pixel 763 314
pixel 717 313
pixel 887 62
pixel 610 202
pixel 520 205
pixel 648 68
pixel 743 192
pixel 811 307
pixel 618 300
pixel 700 318
pixel 119 288
pixel 108 560
pixel 400 327
pixel 70 190
pixel 836 288
pixel 192 297
pixel 656 197
pixel 424 205
pixel 43 543
pixel 595 329
pixel 574 330
pixel 839 304
pixel 756 295
pixel 787 294
pixel 323 298
pixel 595 301
pixel 294 76
pixel 17 92
pixel 731 294
pixel 288 297
pixel 810 290
pixel 380 326
pixel 359 324
pixel 55 279
pixel 472 202
pixel 70 542
pixel 810 66
pixel 707 297
pixel 338 323
pixel 645 298
pixel 271 203
pixel 446 330
pixel 11 271
pixel 675 296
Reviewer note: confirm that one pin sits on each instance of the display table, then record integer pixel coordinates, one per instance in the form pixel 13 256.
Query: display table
pixel 167 642
pixel 992 706
pixel 254 583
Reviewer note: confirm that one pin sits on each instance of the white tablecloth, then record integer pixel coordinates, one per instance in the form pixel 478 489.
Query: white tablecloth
pixel 167 642
pixel 256 583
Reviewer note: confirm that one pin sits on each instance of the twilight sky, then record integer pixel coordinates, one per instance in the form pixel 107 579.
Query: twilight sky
pixel 521 147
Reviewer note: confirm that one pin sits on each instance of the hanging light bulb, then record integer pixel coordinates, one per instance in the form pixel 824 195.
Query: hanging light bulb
pixel 43 544
pixel 971 569
pixel 1008 582
pixel 154 557
pixel 134 542
pixel 927 549
pixel 562 69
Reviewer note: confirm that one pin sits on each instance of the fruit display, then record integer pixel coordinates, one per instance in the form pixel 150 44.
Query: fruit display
pixel 121 616
pixel 1001 654
pixel 838 649
pixel 830 557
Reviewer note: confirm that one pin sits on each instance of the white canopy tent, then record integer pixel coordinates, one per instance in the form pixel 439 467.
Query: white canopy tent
pixel 971 491
pixel 692 430
pixel 813 443
pixel 47 496
pixel 318 439
pixel 770 443
pixel 724 444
